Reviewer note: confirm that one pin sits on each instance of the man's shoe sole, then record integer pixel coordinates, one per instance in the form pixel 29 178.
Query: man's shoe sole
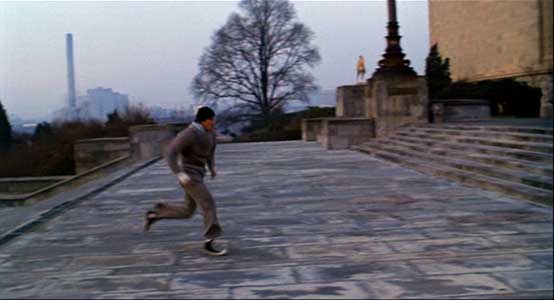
pixel 220 253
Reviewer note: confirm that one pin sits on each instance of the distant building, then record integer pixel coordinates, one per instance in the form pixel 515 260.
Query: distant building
pixel 99 102
pixel 496 39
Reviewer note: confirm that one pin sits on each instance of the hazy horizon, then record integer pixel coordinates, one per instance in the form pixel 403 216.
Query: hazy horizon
pixel 150 50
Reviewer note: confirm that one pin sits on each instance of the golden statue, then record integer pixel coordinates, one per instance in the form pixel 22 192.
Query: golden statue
pixel 360 69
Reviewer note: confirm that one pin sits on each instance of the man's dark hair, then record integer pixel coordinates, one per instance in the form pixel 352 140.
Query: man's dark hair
pixel 204 113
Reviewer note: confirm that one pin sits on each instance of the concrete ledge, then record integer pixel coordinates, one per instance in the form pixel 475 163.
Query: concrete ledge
pixel 64 185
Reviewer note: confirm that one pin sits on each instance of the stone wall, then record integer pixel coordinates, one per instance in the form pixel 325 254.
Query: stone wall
pixel 544 82
pixel 145 141
pixel 341 133
pixel 493 39
pixel 311 129
pixel 148 141
pixel 497 39
pixel 91 153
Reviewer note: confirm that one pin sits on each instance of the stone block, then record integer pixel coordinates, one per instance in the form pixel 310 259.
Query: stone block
pixel 148 141
pixel 311 129
pixel 341 133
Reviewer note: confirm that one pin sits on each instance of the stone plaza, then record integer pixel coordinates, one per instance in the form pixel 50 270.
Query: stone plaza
pixel 299 222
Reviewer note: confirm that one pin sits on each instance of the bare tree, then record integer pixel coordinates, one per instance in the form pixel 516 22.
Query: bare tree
pixel 258 59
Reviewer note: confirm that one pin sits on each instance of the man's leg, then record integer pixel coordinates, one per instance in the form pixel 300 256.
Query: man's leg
pixel 174 210
pixel 170 211
pixel 203 198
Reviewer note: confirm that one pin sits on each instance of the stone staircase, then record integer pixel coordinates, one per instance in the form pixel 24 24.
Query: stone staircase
pixel 512 160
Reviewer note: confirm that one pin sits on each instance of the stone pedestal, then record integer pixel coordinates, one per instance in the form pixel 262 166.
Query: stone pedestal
pixel 350 101
pixel 148 141
pixel 396 100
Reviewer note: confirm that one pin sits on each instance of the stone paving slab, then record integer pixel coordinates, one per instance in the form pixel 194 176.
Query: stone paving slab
pixel 299 222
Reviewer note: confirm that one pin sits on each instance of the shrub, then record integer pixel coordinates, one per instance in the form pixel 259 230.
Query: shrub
pixel 437 71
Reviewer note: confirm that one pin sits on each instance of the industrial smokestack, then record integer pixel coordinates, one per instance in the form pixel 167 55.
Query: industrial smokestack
pixel 70 71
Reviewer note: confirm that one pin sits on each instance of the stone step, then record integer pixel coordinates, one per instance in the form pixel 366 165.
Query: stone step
pixel 520 177
pixel 478 148
pixel 503 135
pixel 495 128
pixel 514 163
pixel 531 167
pixel 530 146
pixel 468 178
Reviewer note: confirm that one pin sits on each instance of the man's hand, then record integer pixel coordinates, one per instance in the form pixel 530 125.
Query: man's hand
pixel 213 173
pixel 183 178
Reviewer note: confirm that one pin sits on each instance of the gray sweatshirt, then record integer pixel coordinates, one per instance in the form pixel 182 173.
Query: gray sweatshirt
pixel 197 147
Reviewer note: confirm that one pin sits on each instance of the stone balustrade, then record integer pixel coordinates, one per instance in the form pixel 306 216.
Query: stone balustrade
pixel 90 153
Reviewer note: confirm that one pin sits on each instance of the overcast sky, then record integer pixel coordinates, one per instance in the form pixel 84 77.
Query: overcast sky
pixel 149 50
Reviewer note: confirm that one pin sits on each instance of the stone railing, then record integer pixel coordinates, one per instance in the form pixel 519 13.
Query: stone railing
pixel 23 185
pixel 16 199
pixel 90 153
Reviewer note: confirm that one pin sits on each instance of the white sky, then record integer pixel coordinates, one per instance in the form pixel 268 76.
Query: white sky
pixel 150 50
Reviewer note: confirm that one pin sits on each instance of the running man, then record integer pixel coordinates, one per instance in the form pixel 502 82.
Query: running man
pixel 187 156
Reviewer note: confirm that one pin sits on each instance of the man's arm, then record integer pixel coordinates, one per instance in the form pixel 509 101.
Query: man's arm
pixel 211 161
pixel 182 141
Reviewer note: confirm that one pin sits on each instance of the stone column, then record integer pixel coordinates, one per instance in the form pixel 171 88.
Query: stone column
pixel 393 59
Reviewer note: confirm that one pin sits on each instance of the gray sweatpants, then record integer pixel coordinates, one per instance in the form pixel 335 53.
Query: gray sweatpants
pixel 196 194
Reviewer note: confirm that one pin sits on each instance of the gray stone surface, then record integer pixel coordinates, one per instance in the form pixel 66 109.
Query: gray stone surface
pixel 299 222
pixel 91 153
